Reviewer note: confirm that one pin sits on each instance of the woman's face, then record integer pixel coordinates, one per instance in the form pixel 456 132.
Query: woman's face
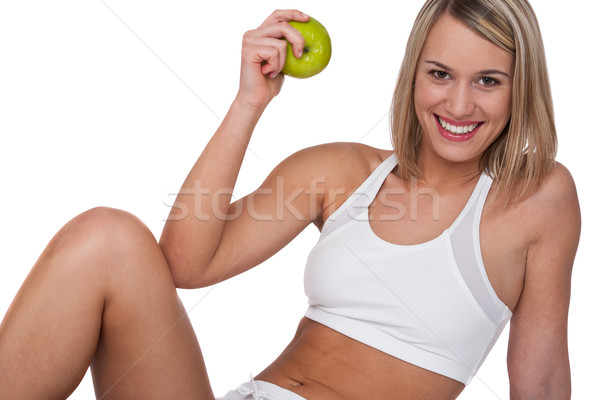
pixel 463 91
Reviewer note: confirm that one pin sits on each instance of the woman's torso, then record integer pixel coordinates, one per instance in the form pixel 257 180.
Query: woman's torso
pixel 321 363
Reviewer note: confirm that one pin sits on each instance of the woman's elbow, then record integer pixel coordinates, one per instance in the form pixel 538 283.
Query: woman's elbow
pixel 185 273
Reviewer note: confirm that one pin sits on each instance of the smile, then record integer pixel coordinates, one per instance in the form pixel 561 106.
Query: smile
pixel 457 131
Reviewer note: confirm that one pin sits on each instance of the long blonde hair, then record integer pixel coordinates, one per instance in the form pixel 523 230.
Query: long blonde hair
pixel 525 150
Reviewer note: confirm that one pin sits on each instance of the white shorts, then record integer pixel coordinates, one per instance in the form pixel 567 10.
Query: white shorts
pixel 260 390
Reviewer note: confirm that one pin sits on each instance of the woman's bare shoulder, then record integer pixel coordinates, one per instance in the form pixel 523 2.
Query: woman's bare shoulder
pixel 560 182
pixel 341 167
pixel 557 189
pixel 339 161
pixel 342 151
pixel 554 203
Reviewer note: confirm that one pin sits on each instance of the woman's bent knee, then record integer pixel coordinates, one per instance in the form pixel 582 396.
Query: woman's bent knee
pixel 109 240
pixel 109 227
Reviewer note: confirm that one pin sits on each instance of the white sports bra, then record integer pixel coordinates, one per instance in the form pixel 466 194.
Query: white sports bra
pixel 429 304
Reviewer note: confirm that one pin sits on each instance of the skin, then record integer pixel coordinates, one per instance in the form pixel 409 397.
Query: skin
pixel 456 90
pixel 103 291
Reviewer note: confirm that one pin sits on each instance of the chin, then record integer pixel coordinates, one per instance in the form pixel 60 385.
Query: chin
pixel 456 152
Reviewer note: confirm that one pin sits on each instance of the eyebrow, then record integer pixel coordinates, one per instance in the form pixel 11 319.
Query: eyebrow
pixel 483 72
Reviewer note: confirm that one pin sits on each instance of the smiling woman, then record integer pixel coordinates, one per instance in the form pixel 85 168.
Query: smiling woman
pixel 423 252
pixel 458 97
pixel 499 74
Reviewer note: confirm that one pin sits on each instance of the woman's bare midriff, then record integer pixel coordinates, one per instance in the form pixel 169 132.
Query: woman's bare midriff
pixel 322 364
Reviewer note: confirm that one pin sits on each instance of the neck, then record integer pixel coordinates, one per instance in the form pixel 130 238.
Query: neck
pixel 437 172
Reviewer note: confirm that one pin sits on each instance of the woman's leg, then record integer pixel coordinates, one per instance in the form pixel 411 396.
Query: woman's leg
pixel 101 293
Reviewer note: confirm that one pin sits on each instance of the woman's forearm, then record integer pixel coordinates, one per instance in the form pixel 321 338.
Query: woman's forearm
pixel 193 230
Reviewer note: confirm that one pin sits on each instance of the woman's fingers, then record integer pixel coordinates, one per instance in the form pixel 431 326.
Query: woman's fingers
pixel 263 56
pixel 269 52
pixel 276 25
pixel 285 16
pixel 280 30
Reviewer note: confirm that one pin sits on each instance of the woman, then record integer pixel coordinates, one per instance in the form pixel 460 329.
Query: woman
pixel 414 276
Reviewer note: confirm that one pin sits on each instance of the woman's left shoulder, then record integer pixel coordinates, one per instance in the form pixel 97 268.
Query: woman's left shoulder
pixel 554 205
pixel 557 189
pixel 559 179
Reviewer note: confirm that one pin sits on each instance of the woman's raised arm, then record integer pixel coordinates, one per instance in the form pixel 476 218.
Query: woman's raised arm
pixel 194 228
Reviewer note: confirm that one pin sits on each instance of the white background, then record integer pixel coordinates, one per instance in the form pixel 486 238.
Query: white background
pixel 110 103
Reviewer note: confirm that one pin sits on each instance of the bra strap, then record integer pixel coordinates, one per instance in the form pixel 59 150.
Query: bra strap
pixel 361 198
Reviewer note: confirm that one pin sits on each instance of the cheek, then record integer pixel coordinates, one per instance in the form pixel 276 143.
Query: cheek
pixel 500 109
pixel 426 97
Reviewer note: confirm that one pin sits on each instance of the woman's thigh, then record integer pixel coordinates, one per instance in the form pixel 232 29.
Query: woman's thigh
pixel 147 347
pixel 101 293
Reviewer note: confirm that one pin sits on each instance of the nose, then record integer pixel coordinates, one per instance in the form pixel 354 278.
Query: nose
pixel 460 101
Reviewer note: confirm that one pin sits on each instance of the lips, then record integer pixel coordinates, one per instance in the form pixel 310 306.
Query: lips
pixel 455 130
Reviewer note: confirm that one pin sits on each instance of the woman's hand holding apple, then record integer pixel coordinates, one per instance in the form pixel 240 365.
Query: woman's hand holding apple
pixel 263 57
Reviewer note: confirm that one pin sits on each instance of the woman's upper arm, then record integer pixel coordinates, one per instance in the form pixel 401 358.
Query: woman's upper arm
pixel 538 361
pixel 260 224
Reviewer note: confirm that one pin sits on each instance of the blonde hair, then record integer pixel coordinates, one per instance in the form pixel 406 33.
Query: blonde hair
pixel 525 150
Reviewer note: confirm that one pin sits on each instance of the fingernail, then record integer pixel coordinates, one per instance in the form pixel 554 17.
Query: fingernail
pixel 299 53
pixel 273 74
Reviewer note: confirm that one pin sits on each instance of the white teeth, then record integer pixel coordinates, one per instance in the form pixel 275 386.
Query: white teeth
pixel 457 130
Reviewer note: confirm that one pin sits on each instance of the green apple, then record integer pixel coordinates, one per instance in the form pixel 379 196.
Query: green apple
pixel 316 54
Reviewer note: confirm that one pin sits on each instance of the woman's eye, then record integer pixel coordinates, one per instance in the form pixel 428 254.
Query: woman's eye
pixel 440 74
pixel 487 81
